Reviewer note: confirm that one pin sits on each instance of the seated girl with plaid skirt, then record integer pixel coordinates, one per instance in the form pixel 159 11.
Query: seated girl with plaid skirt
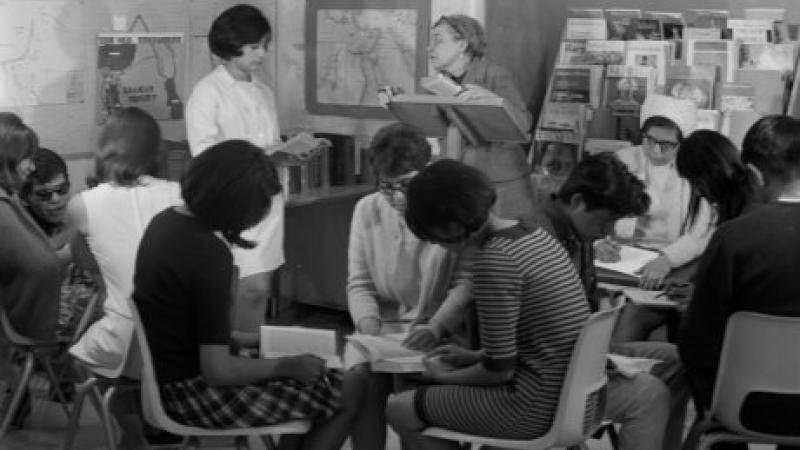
pixel 183 290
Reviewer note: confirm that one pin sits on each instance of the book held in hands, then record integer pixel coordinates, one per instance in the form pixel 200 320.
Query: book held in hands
pixel 386 352
pixel 279 341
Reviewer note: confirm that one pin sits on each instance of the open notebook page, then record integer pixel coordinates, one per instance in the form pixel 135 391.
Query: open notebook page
pixel 631 260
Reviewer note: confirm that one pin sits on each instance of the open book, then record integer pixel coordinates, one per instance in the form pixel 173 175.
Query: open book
pixel 631 260
pixel 277 341
pixel 386 353
pixel 301 145
pixel 644 297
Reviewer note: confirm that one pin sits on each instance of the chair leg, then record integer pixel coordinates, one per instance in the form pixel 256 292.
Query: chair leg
pixel 54 381
pixel 105 419
pixel 22 385
pixel 613 437
pixel 108 424
pixel 77 408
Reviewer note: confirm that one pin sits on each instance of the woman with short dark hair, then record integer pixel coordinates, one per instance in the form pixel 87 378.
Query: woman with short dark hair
pixel 184 297
pixel 531 307
pixel 232 103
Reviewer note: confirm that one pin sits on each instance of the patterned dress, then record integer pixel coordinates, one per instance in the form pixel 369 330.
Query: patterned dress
pixel 531 308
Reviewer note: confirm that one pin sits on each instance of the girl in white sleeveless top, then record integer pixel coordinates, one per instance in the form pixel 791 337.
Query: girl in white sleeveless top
pixel 110 219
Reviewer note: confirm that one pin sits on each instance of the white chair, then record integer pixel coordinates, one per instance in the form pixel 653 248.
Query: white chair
pixel 580 407
pixel 759 356
pixel 155 415
pixel 95 377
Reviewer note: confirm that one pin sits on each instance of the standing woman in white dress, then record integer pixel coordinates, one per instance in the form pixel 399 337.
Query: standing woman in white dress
pixel 231 103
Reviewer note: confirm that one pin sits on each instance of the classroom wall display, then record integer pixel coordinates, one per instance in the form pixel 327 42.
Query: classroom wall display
pixel 355 47
pixel 42 60
pixel 146 70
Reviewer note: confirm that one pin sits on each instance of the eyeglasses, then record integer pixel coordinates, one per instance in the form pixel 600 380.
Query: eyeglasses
pixel 47 194
pixel 665 146
pixel 399 184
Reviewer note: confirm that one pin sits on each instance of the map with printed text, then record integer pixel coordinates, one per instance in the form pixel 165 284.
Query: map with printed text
pixel 42 57
pixel 362 50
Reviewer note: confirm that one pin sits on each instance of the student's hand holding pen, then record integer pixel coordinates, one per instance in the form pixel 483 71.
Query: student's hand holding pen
pixel 654 272
pixel 607 250
pixel 423 337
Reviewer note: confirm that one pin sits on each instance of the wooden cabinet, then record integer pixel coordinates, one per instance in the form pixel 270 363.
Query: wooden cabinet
pixel 317 230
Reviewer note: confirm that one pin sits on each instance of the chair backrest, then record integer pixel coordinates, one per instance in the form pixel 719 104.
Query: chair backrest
pixel 10 333
pixel 759 355
pixel 151 395
pixel 581 402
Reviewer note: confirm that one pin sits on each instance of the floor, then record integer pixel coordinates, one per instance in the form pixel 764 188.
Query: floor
pixel 46 426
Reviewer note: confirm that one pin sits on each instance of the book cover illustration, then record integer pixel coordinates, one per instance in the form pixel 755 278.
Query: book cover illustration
pixel 695 83
pixel 771 89
pixel 650 54
pixel 573 52
pixel 701 34
pixel 560 116
pixel 605 52
pixel 586 28
pixel 645 30
pixel 708 119
pixel 576 84
pixel 626 87
pixel 767 56
pixel 737 97
pixel 744 30
pixel 620 23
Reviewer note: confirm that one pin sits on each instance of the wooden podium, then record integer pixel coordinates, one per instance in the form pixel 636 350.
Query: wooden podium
pixel 479 122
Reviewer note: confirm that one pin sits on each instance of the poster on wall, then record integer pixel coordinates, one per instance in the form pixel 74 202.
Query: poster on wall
pixel 355 47
pixel 142 69
pixel 42 59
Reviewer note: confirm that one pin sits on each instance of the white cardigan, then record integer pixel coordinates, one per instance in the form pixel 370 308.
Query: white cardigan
pixel 393 275
pixel 669 195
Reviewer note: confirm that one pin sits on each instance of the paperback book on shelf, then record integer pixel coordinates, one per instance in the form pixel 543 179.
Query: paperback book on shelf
pixel 708 119
pixel 586 13
pixel 745 30
pixel 737 97
pixel 701 34
pixel 573 52
pixel 706 18
pixel 643 29
pixel 695 83
pixel 720 52
pixel 770 14
pixel 768 56
pixel 627 86
pixel 560 116
pixel 619 23
pixel 576 84
pixel 604 52
pixel 586 28
pixel 770 89
pixel 654 54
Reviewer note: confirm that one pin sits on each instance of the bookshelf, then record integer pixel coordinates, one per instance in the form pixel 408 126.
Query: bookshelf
pixel 736 69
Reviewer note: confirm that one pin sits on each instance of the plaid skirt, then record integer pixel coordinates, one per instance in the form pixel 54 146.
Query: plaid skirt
pixel 193 402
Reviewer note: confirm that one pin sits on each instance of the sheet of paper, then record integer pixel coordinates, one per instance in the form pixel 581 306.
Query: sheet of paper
pixel 649 298
pixel 382 347
pixel 630 366
pixel 631 260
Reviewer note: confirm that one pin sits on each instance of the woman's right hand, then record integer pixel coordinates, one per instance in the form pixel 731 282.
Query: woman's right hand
pixel 303 368
pixel 607 250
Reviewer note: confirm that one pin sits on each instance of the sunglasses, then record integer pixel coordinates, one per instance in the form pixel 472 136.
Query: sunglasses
pixel 47 194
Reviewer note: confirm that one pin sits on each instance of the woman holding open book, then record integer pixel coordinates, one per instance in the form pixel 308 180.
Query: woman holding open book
pixel 182 290
pixel 529 319
pixel 457 49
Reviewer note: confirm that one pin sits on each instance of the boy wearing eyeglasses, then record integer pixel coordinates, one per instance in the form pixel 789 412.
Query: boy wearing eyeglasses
pixel 392 275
